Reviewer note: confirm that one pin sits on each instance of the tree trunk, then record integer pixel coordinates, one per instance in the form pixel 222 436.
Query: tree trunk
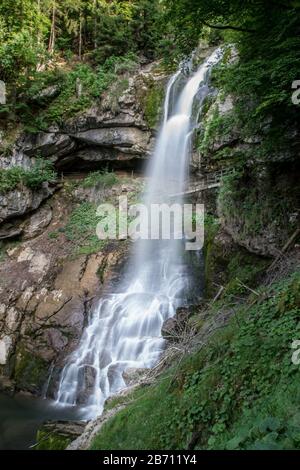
pixel 52 32
pixel 95 24
pixel 80 38
pixel 39 31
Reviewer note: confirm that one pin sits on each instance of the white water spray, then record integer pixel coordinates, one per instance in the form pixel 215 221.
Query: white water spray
pixel 125 329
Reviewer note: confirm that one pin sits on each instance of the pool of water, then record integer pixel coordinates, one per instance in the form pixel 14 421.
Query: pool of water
pixel 21 416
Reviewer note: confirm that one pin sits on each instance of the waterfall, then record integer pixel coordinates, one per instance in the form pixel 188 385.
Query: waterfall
pixel 125 329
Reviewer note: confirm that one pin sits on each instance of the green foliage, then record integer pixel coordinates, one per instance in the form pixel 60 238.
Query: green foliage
pixel 51 441
pixel 258 206
pixel 40 113
pixel 100 179
pixel 216 128
pixel 9 179
pixel 267 40
pixel 34 177
pixel 127 26
pixel 20 52
pixel 152 104
pixel 99 39
pixel 205 396
pixel 53 235
pixel 81 229
pixel 243 271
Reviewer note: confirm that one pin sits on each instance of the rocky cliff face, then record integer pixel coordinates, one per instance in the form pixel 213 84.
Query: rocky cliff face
pixel 257 203
pixel 118 136
pixel 46 288
pixel 119 129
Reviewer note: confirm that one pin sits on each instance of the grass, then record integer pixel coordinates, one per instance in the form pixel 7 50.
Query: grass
pixel 206 400
pixel 100 179
pixel 81 229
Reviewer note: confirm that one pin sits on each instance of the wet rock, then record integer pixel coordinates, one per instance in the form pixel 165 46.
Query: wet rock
pixel 39 262
pixel 89 156
pixel 31 370
pixel 5 348
pixel 133 375
pixel 87 376
pixel 12 319
pixel 7 386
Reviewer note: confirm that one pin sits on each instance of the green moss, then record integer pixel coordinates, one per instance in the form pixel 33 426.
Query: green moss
pixel 53 235
pixel 51 441
pixel 244 269
pixel 259 204
pixel 228 267
pixel 152 103
pixel 30 371
pixel 216 128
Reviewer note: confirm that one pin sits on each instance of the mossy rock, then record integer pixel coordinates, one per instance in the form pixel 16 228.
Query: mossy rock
pixel 31 371
pixel 51 441
pixel 151 101
pixel 57 435
pixel 229 265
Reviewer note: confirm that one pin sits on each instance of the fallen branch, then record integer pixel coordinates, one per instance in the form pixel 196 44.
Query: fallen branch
pixel 284 249
pixel 246 287
pixel 218 294
pixel 233 28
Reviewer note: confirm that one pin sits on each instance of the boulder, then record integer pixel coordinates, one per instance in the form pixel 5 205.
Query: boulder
pixel 86 383
pixel 134 375
pixel 57 435
pixel 38 222
pixel 47 93
pixel 21 200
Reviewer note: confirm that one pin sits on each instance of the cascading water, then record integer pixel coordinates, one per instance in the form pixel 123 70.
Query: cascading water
pixel 125 329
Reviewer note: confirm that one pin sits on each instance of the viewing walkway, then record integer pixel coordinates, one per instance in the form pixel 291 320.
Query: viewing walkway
pixel 209 181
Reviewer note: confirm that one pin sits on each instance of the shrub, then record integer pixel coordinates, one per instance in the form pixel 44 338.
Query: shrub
pixel 104 179
pixel 40 172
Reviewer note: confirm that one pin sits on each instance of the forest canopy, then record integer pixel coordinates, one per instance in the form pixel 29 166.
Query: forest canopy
pixel 38 35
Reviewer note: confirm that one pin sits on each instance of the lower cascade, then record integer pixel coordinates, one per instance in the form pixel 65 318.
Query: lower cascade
pixel 124 330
